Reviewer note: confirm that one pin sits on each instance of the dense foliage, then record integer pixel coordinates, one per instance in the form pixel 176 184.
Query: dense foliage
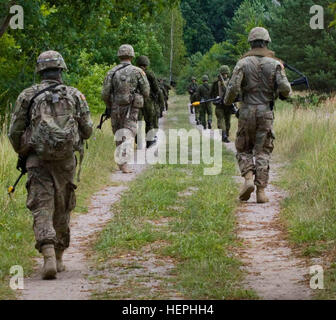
pixel 311 51
pixel 206 22
pixel 91 29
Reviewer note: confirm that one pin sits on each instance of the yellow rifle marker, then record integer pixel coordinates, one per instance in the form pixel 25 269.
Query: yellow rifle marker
pixel 11 189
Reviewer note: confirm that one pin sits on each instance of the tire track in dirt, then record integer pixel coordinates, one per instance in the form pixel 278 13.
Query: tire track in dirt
pixel 273 269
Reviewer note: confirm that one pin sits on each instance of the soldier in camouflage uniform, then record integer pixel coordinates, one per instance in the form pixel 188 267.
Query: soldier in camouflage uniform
pixel 261 78
pixel 203 93
pixel 151 110
pixel 223 112
pixel 50 185
pixel 192 88
pixel 165 89
pixel 124 90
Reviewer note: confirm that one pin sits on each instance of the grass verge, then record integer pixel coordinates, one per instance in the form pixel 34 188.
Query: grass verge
pixel 16 234
pixel 190 215
pixel 306 145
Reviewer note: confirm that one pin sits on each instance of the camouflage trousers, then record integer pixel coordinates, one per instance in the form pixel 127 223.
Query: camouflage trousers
pixel 51 198
pixel 122 119
pixel 223 115
pixel 205 113
pixel 148 114
pixel 254 142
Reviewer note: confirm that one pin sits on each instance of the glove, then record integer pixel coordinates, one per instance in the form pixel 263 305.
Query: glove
pixel 21 164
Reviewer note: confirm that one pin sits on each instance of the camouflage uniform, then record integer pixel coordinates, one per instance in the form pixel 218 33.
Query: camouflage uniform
pixel 192 88
pixel 223 112
pixel 50 185
pixel 205 109
pixel 151 110
pixel 165 89
pixel 260 78
pixel 124 116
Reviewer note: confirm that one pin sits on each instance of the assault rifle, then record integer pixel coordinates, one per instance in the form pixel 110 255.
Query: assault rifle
pixel 218 100
pixel 21 166
pixel 105 116
pixel 297 82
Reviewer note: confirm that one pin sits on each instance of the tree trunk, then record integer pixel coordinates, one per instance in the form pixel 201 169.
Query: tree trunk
pixel 171 48
pixel 5 24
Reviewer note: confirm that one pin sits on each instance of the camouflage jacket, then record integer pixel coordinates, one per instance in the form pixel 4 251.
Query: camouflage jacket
pixel 259 77
pixel 203 92
pixel 154 86
pixel 20 114
pixel 112 87
pixel 192 88
pixel 218 88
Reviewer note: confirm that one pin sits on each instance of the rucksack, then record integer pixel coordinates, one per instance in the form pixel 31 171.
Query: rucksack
pixel 54 129
pixel 122 86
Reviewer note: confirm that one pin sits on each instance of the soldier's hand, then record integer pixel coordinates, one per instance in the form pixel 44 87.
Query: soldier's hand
pixel 21 164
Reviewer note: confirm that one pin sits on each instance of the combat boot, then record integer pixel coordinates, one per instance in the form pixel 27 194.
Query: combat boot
pixel 49 268
pixel 261 196
pixel 125 168
pixel 59 260
pixel 209 125
pixel 225 138
pixel 248 187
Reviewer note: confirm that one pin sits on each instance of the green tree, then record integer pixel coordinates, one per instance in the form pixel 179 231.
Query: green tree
pixel 311 51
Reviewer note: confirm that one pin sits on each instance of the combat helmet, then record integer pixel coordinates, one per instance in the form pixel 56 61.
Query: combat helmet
pixel 224 70
pixel 193 78
pixel 49 60
pixel 205 78
pixel 259 33
pixel 142 61
pixel 126 50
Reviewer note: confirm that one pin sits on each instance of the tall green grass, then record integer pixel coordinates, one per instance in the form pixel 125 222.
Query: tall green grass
pixel 16 234
pixel 306 145
pixel 200 234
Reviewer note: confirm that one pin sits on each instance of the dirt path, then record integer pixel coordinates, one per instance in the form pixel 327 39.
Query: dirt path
pixel 80 280
pixel 274 272
pixel 73 284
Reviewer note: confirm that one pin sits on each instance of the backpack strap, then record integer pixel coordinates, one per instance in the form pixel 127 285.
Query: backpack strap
pixel 33 99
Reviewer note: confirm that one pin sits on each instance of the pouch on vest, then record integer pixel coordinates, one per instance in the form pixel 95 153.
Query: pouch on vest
pixel 138 101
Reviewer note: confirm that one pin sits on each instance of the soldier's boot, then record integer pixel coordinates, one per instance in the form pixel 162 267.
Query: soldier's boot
pixel 209 124
pixel 225 137
pixel 125 168
pixel 261 196
pixel 49 268
pixel 59 260
pixel 248 187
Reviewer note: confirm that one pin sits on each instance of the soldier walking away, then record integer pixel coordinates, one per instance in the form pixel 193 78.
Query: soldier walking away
pixel 124 90
pixel 165 88
pixel 151 110
pixel 262 79
pixel 205 111
pixel 192 88
pixel 49 124
pixel 223 112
